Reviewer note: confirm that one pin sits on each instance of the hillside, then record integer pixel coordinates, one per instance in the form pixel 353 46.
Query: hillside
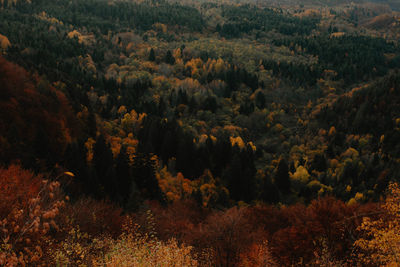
pixel 186 117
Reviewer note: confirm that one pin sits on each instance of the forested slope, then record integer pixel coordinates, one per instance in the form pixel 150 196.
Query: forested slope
pixel 200 108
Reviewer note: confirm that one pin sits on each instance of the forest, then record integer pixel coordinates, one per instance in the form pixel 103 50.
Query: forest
pixel 199 133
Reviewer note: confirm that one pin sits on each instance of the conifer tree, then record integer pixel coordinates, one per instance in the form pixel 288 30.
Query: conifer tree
pixel 143 172
pixel 152 56
pixel 103 171
pixel 282 179
pixel 123 175
pixel 169 58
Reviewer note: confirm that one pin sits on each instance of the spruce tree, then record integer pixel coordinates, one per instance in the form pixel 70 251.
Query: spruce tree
pixel 143 172
pixel 152 56
pixel 104 173
pixel 282 179
pixel 169 58
pixel 123 176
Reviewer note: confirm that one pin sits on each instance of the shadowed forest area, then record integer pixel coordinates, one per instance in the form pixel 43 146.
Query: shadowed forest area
pixel 199 133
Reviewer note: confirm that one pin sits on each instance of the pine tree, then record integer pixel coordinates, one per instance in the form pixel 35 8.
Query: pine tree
pixel 152 56
pixel 123 176
pixel 103 172
pixel 270 193
pixel 260 100
pixel 143 172
pixel 239 175
pixel 169 58
pixel 282 179
pixel 74 160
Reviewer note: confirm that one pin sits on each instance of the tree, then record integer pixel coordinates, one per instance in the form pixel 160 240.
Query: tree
pixel 270 192
pixel 239 175
pixel 75 160
pixel 282 179
pixel 152 55
pixel 169 58
pixel 123 176
pixel 104 173
pixel 260 100
pixel 185 158
pixel 143 172
pixel 319 163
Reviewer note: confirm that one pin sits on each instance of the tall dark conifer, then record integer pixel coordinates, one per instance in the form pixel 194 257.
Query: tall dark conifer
pixel 104 171
pixel 123 176
pixel 169 58
pixel 143 172
pixel 152 56
pixel 282 179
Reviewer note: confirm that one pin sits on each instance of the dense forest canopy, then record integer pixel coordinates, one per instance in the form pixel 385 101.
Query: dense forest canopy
pixel 250 111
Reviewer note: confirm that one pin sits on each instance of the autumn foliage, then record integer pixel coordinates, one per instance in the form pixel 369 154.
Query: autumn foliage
pixel 152 133
pixel 379 243
pixel 25 98
pixel 40 226
pixel 28 210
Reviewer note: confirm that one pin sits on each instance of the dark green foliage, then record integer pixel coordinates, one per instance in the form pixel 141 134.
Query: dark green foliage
pixel 260 100
pixel 103 168
pixel 282 179
pixel 284 102
pixel 143 172
pixel 370 110
pixel 169 58
pixel 247 107
pixel 319 163
pixel 270 192
pixel 152 56
pixel 123 175
pixel 75 161
pixel 239 175
pixel 299 74
pixel 354 58
pixel 210 103
pixel 100 14
pixel 246 18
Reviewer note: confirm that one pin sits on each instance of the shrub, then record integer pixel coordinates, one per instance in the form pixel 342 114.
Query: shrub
pixel 28 208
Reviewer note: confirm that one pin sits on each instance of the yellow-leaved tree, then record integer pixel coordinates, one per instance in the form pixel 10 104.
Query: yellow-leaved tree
pixel 4 43
pixel 380 241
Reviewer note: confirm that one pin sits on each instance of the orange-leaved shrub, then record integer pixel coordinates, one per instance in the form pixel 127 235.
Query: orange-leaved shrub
pixel 28 208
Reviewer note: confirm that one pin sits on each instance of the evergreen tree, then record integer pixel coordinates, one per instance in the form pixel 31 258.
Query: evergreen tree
pixel 282 179
pixel 218 28
pixel 319 163
pixel 152 56
pixel 239 175
pixel 169 58
pixel 74 160
pixel 123 176
pixel 270 193
pixel 103 168
pixel 185 159
pixel 134 199
pixel 260 100
pixel 143 172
